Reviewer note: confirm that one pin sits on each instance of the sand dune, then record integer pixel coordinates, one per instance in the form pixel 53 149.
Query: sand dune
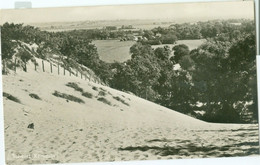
pixel 118 127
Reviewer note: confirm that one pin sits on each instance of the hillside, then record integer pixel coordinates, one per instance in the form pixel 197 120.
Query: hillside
pixel 118 127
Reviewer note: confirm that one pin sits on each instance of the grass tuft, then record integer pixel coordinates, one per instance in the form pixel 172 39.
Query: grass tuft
pixel 10 97
pixel 120 100
pixel 102 93
pixel 68 97
pixel 104 100
pixel 95 88
pixel 87 94
pixel 74 86
pixel 35 96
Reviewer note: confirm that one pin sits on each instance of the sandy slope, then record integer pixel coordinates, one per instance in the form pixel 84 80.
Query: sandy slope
pixel 67 131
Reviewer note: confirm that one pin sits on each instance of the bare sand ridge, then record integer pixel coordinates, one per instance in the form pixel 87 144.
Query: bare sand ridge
pixel 118 127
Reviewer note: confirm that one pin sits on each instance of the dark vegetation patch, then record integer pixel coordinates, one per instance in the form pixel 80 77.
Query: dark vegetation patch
pixel 102 89
pixel 120 100
pixel 232 130
pixel 87 94
pixel 104 100
pixel 192 149
pixel 68 97
pixel 74 86
pixel 35 96
pixel 79 89
pixel 95 88
pixel 11 97
pixel 102 93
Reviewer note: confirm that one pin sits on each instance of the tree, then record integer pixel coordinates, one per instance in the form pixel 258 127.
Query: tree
pixel 139 49
pixel 179 51
pixel 25 56
pixel 226 70
pixel 162 53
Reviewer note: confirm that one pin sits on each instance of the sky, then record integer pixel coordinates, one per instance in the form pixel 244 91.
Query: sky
pixel 177 11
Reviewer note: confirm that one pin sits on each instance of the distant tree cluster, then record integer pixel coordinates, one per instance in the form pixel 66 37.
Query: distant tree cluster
pixel 220 29
pixel 103 34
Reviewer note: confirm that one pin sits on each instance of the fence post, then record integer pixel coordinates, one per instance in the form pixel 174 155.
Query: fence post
pixel 51 66
pixel 77 73
pixel 35 66
pixel 70 71
pixel 43 66
pixel 25 67
pixel 15 65
pixel 4 67
pixel 64 71
pixel 81 75
pixel 58 69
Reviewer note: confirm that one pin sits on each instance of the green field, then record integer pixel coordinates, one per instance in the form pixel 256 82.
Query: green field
pixel 113 50
pixel 192 44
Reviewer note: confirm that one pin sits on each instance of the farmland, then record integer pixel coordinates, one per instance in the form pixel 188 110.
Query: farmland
pixel 114 50
pixel 192 44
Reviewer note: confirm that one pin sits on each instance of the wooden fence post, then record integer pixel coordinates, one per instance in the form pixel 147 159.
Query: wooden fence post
pixel 25 67
pixel 64 71
pixel 58 69
pixel 70 71
pixel 51 66
pixel 43 66
pixel 81 75
pixel 77 73
pixel 4 67
pixel 15 65
pixel 35 66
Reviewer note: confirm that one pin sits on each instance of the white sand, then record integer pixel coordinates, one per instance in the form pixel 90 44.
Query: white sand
pixel 94 131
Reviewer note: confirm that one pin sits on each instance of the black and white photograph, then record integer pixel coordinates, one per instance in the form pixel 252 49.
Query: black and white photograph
pixel 129 82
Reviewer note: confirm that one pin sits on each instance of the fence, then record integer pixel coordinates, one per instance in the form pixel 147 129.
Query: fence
pixel 53 68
